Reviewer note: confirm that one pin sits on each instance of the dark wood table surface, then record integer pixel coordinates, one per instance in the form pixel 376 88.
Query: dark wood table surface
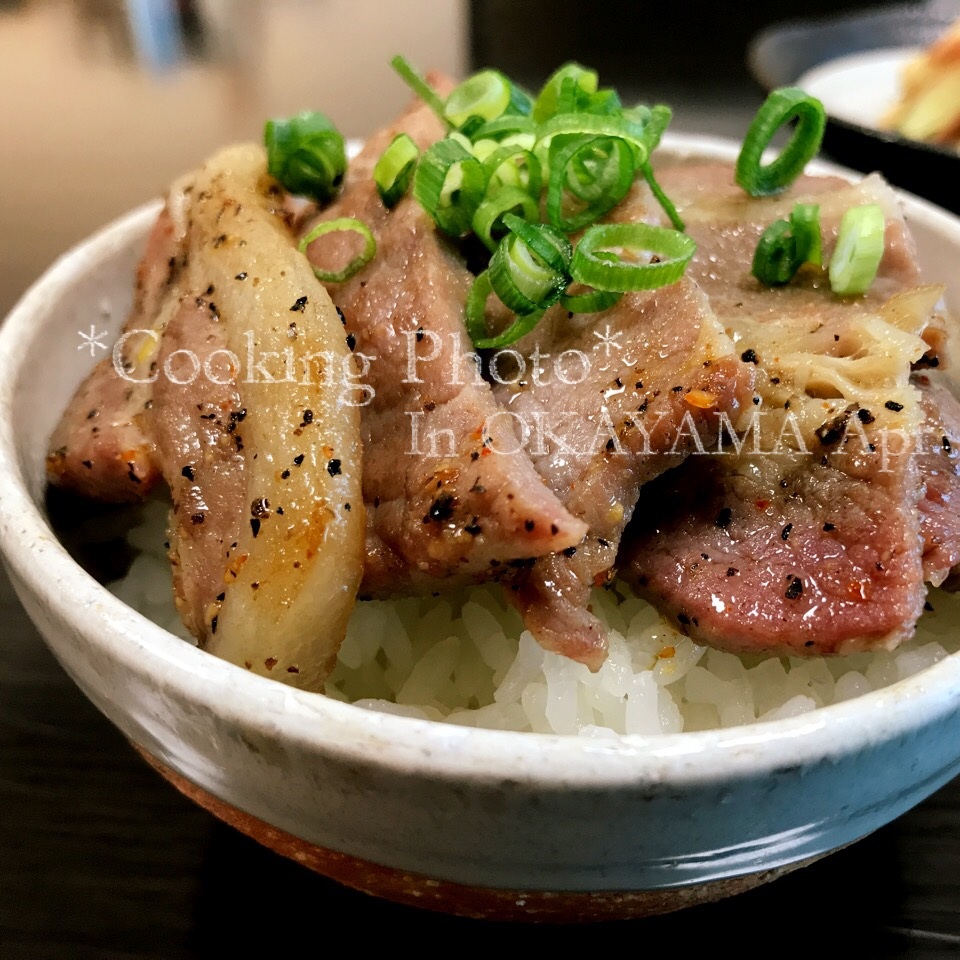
pixel 99 857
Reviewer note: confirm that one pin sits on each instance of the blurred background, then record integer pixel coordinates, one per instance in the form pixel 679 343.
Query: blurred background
pixel 103 102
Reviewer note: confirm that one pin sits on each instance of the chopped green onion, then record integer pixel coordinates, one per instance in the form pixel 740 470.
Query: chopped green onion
pixel 488 220
pixel 485 95
pixel 394 169
pixel 659 119
pixel 780 107
pixel 347 224
pixel 420 87
pixel 506 126
pixel 584 83
pixel 306 154
pixel 661 197
pixel 476 306
pixel 449 184
pixel 859 250
pixel 592 302
pixel 785 246
pixel 593 175
pixel 588 124
pixel 775 261
pixel 513 165
pixel 476 318
pixel 596 263
pixel 548 243
pixel 805 226
pixel 521 279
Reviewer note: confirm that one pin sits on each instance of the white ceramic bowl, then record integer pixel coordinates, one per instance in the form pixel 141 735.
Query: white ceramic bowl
pixel 473 821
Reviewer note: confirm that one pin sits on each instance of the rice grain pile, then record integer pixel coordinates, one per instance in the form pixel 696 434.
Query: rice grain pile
pixel 465 658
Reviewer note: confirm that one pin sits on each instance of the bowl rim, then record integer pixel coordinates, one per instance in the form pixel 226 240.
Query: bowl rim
pixel 434 749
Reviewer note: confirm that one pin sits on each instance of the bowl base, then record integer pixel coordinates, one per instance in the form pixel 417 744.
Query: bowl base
pixel 416 890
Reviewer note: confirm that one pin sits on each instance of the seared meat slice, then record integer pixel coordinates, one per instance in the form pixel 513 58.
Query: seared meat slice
pixel 102 448
pixel 445 496
pixel 608 402
pixel 939 462
pixel 805 535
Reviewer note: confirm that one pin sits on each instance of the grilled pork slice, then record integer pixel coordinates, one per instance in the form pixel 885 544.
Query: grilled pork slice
pixel 804 535
pixel 222 387
pixel 939 461
pixel 607 402
pixel 102 447
pixel 448 493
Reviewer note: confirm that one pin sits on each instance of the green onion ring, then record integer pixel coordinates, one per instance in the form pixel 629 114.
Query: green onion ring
pixel 776 261
pixel 485 95
pixel 452 211
pixel 546 104
pixel 492 209
pixel 591 266
pixel 394 169
pixel 805 226
pixel 616 176
pixel 585 124
pixel 780 107
pixel 510 153
pixel 548 243
pixel 476 318
pixel 592 302
pixel 358 262
pixel 859 250
pixel 306 154
pixel 521 279
pixel 505 126
pixel 665 202
pixel 519 328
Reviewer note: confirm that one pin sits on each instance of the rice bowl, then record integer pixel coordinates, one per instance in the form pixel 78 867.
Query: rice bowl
pixel 491 810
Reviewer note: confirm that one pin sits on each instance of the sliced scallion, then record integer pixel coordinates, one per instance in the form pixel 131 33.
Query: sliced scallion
pixel 805 226
pixel 485 95
pixel 394 169
pixel 775 261
pixel 584 81
pixel 859 250
pixel 599 263
pixel 488 220
pixel 449 184
pixel 780 107
pixel 344 224
pixel 522 280
pixel 306 154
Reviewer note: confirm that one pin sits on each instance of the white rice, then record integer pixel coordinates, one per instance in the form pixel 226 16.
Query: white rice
pixel 465 658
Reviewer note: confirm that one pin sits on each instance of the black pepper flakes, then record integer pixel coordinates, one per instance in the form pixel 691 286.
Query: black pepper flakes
pixel 441 510
pixel 188 472
pixel 785 532
pixel 749 356
pixel 420 334
pixel 828 527
pixel 723 518
pixel 865 416
pixel 260 507
pixel 473 528
pixel 197 519
pixel 945 443
pixel 343 319
pixel 794 588
pixel 88 464
pixel 732 571
pixel 529 525
pixel 298 459
pixel 351 341
pixel 333 467
pixel 894 406
pixel 241 276
pixel 255 527
pixel 570 551
pixel 285 475
pixel 299 305
pixel 307 418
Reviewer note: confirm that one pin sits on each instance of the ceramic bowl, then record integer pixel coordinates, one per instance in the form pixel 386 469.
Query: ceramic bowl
pixel 481 823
